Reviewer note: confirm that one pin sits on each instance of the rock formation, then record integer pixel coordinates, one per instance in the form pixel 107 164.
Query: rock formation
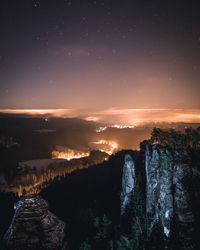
pixel 128 181
pixel 182 206
pixel 167 200
pixel 159 182
pixel 170 219
pixel 34 227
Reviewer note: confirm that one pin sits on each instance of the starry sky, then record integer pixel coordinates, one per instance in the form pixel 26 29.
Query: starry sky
pixel 99 54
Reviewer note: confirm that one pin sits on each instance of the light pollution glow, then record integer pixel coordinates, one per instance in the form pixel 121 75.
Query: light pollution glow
pixel 33 181
pixel 106 146
pixel 52 112
pixel 117 117
pixel 68 154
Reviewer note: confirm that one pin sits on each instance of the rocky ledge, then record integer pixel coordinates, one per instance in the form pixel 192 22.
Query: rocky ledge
pixel 34 227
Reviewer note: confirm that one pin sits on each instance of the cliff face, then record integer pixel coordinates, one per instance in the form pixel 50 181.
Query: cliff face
pixel 128 182
pixel 167 200
pixel 183 208
pixel 159 183
pixel 34 227
pixel 169 214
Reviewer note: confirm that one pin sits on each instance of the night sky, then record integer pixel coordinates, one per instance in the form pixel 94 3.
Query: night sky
pixel 99 54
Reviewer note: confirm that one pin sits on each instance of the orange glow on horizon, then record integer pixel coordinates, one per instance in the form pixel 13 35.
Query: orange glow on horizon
pixel 68 154
pixel 92 118
pixel 53 112
pixel 106 146
pixel 119 118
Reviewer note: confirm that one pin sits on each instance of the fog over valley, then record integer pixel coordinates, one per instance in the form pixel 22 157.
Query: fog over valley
pixel 35 149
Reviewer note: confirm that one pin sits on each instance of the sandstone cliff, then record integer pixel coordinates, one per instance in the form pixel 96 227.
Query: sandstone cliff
pixel 128 181
pixel 170 218
pixel 167 199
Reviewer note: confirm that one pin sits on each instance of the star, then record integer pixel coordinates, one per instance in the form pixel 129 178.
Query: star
pixel 35 4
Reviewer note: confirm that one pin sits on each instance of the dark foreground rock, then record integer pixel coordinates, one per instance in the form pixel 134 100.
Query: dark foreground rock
pixel 34 227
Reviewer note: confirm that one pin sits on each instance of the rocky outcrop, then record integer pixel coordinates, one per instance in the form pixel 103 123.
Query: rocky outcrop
pixel 182 206
pixel 128 182
pixel 168 221
pixel 159 182
pixel 34 227
pixel 167 200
